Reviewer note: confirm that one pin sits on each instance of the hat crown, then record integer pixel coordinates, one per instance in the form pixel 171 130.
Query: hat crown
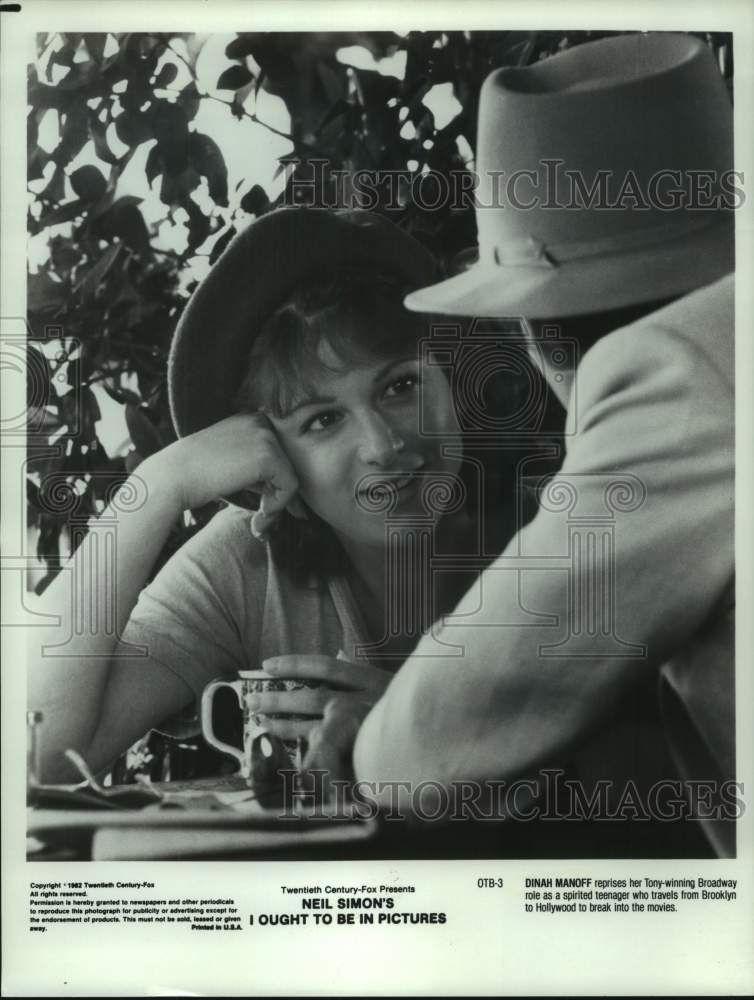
pixel 622 126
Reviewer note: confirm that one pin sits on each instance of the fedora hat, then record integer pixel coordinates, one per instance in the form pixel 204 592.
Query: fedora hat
pixel 604 180
pixel 254 275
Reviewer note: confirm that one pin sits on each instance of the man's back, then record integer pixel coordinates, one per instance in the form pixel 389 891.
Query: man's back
pixel 653 407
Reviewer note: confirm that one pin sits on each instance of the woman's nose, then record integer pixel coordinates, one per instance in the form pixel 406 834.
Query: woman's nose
pixel 380 442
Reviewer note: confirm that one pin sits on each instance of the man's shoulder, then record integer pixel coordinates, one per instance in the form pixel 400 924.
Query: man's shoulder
pixel 704 318
pixel 693 335
pixel 702 324
pixel 709 300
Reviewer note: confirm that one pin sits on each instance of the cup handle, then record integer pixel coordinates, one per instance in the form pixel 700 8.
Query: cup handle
pixel 207 730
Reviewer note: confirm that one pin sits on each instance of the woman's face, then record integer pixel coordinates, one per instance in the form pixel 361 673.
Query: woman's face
pixel 370 433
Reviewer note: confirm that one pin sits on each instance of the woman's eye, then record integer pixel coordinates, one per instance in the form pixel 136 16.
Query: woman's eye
pixel 322 421
pixel 405 384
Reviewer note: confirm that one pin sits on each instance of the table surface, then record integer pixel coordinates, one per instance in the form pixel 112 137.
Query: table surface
pixel 197 831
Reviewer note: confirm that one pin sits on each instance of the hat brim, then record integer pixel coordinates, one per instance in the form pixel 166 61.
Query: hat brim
pixel 586 285
pixel 252 278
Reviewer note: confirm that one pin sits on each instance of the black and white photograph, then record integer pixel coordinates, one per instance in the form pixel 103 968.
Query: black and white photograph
pixel 378 469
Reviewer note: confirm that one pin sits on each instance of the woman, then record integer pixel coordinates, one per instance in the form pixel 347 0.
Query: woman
pixel 295 374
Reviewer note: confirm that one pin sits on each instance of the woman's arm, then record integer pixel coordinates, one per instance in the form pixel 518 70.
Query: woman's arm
pixel 97 696
pixel 92 599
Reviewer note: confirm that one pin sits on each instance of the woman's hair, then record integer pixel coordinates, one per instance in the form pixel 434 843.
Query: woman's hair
pixel 359 314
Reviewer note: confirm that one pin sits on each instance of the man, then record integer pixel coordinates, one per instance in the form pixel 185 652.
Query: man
pixel 604 219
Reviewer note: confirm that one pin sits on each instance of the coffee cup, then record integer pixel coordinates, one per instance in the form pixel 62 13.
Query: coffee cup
pixel 260 753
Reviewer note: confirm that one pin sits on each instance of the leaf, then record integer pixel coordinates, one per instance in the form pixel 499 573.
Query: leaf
pixel 32 129
pixel 74 134
pixel 119 394
pixel 138 90
pixel 194 45
pixel 37 161
pixel 128 223
pixel 96 45
pixel 62 57
pixel 40 95
pixel 64 255
pixel 169 192
pixel 170 125
pixel 240 47
pixel 379 43
pixel 154 165
pixel 32 494
pixel 48 542
pixel 41 421
pixel 174 189
pixel 339 108
pixel 100 208
pixel 88 183
pixel 90 413
pixel 98 137
pixel 375 90
pixel 255 201
pixel 55 190
pixel 144 434
pixel 72 40
pixel 133 128
pixel 165 77
pixel 43 458
pixel 190 99
pixel 41 586
pixel 44 294
pixel 221 243
pixel 198 225
pixel 138 47
pixel 71 417
pixel 64 213
pixel 239 99
pixel 81 75
pixel 272 53
pixel 205 156
pixel 234 77
pixel 333 81
pixel 96 274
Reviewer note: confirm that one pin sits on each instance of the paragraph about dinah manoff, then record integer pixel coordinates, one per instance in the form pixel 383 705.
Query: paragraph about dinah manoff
pixel 53 904
pixel 583 894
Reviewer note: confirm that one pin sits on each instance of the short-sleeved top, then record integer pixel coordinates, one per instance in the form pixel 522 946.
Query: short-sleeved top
pixel 224 604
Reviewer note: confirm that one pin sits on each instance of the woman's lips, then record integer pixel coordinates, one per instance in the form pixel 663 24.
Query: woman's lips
pixel 390 485
pixel 399 485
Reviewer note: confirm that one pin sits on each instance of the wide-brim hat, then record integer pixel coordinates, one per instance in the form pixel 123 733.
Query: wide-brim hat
pixel 253 276
pixel 578 160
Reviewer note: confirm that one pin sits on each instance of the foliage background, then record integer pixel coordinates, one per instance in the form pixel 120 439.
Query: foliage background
pixel 131 200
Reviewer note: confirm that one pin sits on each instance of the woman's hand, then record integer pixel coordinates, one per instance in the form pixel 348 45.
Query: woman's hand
pixel 240 452
pixel 345 694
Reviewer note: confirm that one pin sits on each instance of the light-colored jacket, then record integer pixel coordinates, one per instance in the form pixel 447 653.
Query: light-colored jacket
pixel 624 576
